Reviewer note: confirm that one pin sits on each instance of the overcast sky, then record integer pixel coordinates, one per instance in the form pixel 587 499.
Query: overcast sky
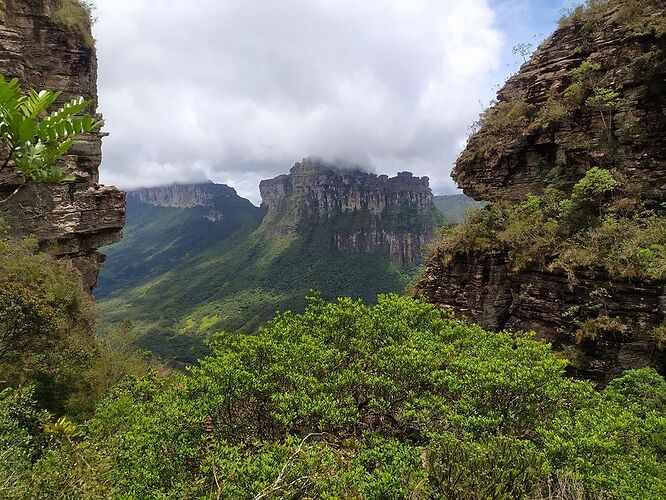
pixel 238 90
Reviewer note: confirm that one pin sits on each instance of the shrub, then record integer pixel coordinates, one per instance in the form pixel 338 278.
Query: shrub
pixel 637 17
pixel 76 16
pixel 47 337
pixel 598 226
pixel 592 329
pixel 396 400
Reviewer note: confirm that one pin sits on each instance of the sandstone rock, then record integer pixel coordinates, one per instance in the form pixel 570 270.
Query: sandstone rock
pixel 217 199
pixel 72 220
pixel 526 161
pixel 362 212
pixel 505 164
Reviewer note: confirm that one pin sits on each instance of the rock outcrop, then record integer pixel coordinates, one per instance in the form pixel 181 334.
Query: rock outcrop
pixel 216 199
pixel 355 210
pixel 538 136
pixel 74 219
pixel 524 158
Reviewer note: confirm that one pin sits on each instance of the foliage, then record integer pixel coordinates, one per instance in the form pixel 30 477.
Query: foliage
pixel 45 324
pixel 46 333
pixel 395 400
pixel 592 329
pixel 637 17
pixel 234 277
pixel 597 226
pixel 455 207
pixel 36 140
pixel 76 16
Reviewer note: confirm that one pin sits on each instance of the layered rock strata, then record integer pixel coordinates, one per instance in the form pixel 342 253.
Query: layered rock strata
pixel 361 212
pixel 216 199
pixel 74 219
pixel 541 134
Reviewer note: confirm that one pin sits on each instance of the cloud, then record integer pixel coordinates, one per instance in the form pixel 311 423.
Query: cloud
pixel 239 90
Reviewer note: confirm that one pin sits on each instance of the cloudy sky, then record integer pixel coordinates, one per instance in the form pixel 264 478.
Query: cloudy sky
pixel 238 90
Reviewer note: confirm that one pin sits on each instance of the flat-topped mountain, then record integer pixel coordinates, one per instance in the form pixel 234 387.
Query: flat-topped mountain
pixel 197 259
pixel 353 210
pixel 216 198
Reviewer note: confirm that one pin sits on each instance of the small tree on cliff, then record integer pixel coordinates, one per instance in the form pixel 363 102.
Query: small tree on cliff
pixel 34 138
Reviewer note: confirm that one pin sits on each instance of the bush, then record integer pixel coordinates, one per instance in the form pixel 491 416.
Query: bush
pixel 47 339
pixel 76 16
pixel 599 226
pixel 46 324
pixel 396 400
pixel 637 17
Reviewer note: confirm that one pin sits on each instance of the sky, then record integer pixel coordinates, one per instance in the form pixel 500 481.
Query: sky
pixel 236 91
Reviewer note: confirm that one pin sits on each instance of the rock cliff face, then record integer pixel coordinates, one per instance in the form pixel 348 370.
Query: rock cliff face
pixel 521 159
pixel 539 136
pixel 217 199
pixel 72 220
pixel 357 211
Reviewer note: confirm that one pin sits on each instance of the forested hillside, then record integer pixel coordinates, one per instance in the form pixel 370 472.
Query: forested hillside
pixel 192 263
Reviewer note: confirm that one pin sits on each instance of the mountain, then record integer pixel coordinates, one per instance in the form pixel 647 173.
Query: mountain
pixel 352 210
pixel 199 259
pixel 572 159
pixel 166 225
pixel 454 207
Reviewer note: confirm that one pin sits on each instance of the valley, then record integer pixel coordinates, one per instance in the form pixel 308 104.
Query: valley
pixel 354 336
pixel 198 259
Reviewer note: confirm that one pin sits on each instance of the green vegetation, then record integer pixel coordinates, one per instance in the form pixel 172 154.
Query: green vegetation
pixel 75 15
pixel 506 122
pixel 180 291
pixel 35 139
pixel 638 17
pixel 395 400
pixel 46 334
pixel 157 239
pixel 600 225
pixel 455 207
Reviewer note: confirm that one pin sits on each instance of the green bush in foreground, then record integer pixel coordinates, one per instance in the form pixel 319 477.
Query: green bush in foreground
pixel 47 339
pixel 396 400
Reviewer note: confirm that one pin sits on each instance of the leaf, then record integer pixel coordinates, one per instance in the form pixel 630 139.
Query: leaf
pixel 38 144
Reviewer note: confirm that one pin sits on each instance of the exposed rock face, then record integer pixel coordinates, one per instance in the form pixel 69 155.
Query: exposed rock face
pixel 215 198
pixel 361 212
pixel 526 161
pixel 506 163
pixel 74 219
pixel 483 288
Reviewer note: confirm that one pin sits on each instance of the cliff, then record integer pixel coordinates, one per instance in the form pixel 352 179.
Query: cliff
pixel 353 210
pixel 47 51
pixel 592 95
pixel 543 131
pixel 216 199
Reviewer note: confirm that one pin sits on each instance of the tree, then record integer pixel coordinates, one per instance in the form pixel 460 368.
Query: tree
pixel 36 139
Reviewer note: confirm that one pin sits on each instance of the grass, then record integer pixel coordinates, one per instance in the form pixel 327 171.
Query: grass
pixel 76 16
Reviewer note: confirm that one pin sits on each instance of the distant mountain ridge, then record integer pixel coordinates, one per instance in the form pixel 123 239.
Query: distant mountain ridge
pixel 454 207
pixel 217 198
